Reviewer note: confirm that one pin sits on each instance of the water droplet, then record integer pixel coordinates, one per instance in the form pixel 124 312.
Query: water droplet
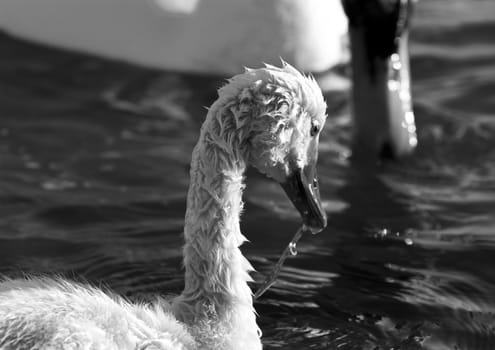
pixel 408 241
pixel 382 232
pixel 409 117
pixel 259 332
pixel 413 141
pixel 393 85
pixel 395 58
pixel 293 248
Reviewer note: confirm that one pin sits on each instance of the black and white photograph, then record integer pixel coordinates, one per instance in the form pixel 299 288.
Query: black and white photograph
pixel 247 174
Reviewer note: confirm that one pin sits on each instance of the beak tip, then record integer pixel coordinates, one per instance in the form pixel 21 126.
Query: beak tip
pixel 316 224
pixel 306 198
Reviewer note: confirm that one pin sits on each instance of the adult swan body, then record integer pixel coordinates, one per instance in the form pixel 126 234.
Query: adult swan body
pixel 269 118
pixel 206 36
pixel 222 36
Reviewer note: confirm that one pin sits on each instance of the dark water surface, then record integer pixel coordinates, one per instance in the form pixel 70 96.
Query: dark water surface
pixel 94 159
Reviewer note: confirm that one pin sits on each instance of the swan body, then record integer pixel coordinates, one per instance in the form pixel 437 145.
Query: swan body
pixel 51 314
pixel 208 36
pixel 269 118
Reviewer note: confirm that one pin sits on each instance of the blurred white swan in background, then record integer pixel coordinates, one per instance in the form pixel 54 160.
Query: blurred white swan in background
pixel 208 36
pixel 269 118
pixel 223 36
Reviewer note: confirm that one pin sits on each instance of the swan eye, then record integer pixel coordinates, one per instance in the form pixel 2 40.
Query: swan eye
pixel 315 128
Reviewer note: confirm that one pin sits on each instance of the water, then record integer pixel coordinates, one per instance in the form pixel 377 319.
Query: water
pixel 94 160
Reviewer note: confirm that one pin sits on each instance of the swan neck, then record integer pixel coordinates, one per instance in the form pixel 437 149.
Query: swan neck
pixel 383 118
pixel 212 232
pixel 216 291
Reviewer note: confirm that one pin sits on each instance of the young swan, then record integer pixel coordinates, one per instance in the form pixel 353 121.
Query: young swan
pixel 269 118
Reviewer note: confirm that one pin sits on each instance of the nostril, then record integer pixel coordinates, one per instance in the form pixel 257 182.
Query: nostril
pixel 315 183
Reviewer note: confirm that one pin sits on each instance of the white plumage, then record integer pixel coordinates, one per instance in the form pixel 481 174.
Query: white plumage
pixel 263 117
pixel 208 36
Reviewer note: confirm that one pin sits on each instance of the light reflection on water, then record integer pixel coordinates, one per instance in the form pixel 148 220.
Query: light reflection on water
pixel 95 156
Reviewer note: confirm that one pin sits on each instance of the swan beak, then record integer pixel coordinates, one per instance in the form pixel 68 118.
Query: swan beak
pixel 303 190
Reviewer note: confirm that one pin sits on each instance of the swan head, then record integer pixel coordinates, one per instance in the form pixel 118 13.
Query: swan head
pixel 286 114
pixel 384 21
